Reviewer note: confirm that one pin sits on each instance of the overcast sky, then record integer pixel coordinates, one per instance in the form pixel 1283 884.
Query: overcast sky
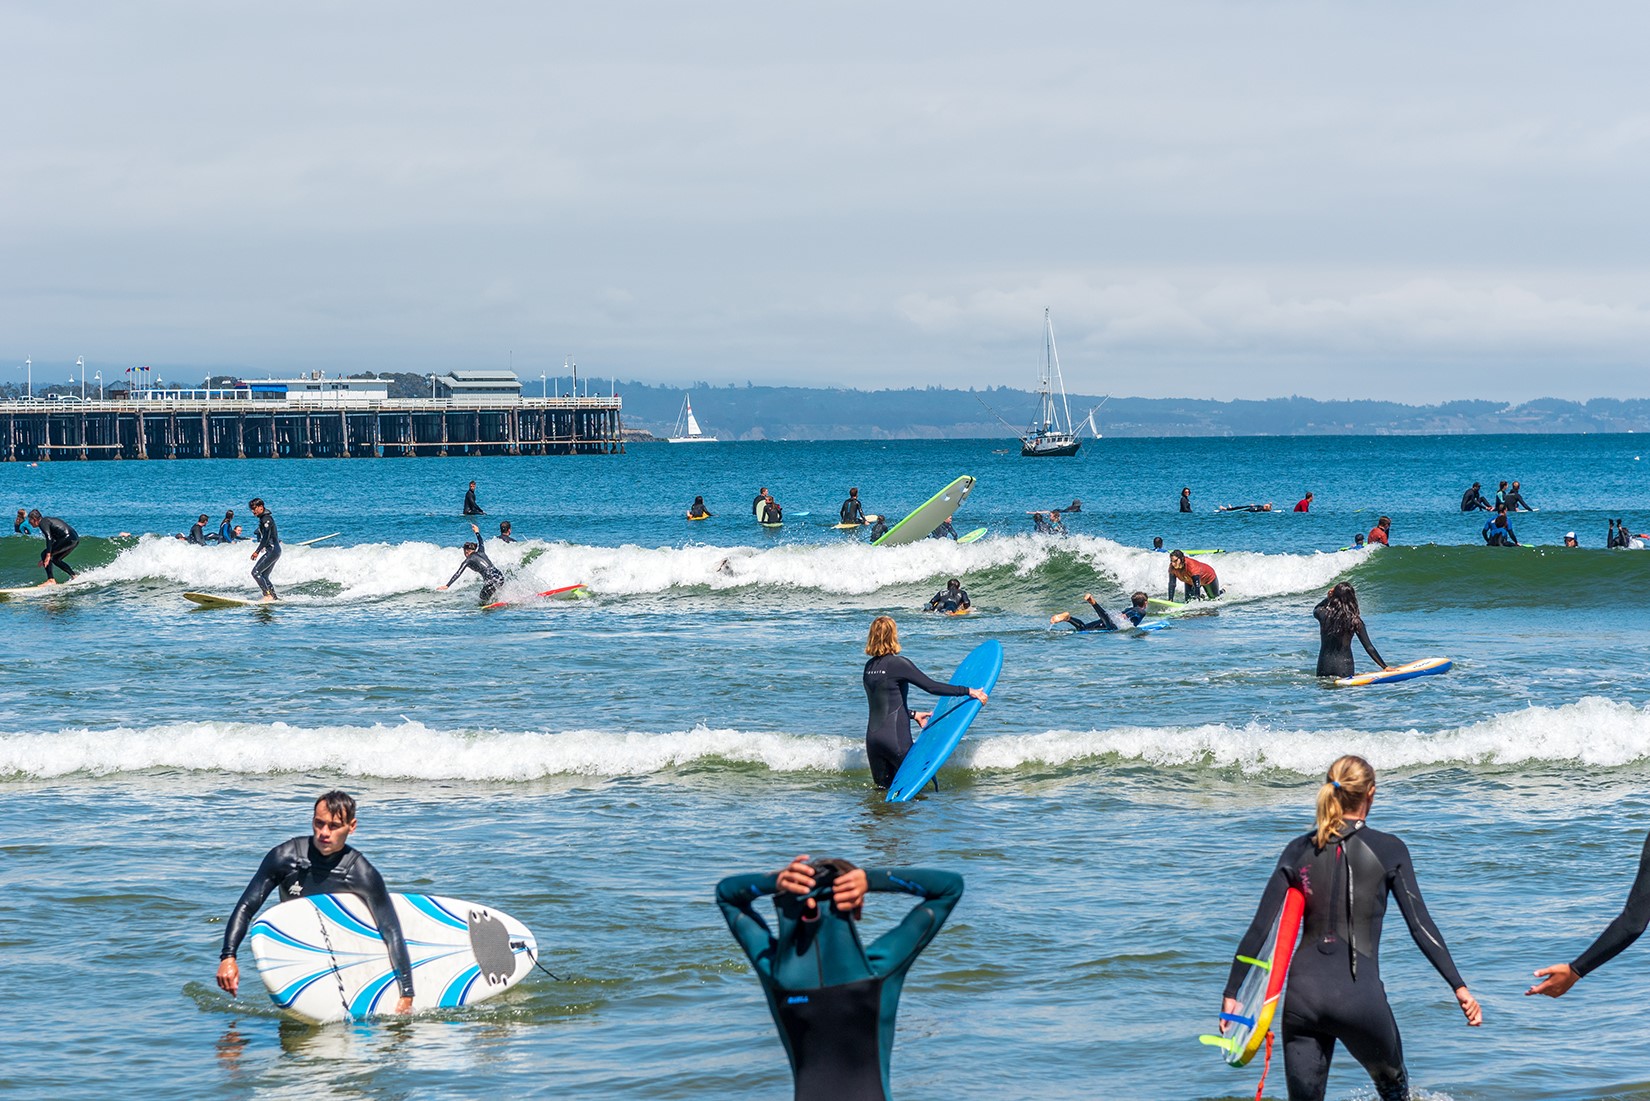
pixel 1417 201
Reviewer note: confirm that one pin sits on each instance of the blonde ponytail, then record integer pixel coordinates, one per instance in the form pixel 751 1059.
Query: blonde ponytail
pixel 1348 784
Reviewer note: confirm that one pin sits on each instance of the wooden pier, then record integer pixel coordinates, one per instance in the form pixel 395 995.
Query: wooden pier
pixel 41 431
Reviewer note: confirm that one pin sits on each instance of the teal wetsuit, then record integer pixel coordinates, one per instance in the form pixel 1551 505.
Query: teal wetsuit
pixel 834 999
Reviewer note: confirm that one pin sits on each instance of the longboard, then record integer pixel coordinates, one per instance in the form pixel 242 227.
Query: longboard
pixel 318 539
pixel 566 592
pixel 33 590
pixel 928 515
pixel 212 600
pixel 949 722
pixel 972 536
pixel 1426 667
pixel 322 958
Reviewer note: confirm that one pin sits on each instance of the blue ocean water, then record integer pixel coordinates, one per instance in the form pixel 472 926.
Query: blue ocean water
pixel 594 767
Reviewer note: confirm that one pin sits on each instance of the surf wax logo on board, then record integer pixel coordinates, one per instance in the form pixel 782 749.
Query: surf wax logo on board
pixel 490 943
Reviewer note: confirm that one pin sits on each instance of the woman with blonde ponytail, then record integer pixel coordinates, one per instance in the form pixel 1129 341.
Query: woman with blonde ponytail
pixel 1346 870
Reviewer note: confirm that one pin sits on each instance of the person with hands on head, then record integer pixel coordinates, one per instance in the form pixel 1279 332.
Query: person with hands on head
pixel 888 678
pixel 320 864
pixel 1347 871
pixel 833 998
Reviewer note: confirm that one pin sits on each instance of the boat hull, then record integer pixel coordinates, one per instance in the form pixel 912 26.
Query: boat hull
pixel 1049 448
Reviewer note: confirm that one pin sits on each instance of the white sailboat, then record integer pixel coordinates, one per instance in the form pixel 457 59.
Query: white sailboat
pixel 1047 437
pixel 687 427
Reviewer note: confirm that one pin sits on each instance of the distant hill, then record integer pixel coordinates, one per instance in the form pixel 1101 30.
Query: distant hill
pixel 751 412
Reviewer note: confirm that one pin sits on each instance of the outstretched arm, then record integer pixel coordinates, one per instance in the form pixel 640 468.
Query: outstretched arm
pixel 1626 928
pixel 896 949
pixel 907 671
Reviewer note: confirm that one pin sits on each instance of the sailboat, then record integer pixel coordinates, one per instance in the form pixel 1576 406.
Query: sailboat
pixel 1046 437
pixel 687 421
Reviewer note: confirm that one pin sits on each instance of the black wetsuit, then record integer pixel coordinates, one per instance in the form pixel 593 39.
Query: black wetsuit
pixel 1104 623
pixel 61 540
pixel 945 530
pixel 1136 616
pixel 298 870
pixel 697 510
pixel 1335 990
pixel 834 999
pixel 1515 501
pixel 470 506
pixel 1473 500
pixel 1335 647
pixel 1185 503
pixel 888 729
pixel 491 579
pixel 772 513
pixel 1627 927
pixel 852 512
pixel 878 529
pixel 269 552
pixel 1499 535
pixel 506 537
pixel 197 534
pixel 226 532
pixel 947 600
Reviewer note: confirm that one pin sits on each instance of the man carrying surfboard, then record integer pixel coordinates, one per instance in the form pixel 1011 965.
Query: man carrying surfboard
pixel 833 998
pixel 888 678
pixel 320 864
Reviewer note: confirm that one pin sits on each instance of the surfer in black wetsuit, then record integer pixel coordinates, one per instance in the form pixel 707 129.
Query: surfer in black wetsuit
pixel 944 531
pixel 1104 622
pixel 61 540
pixel 269 545
pixel 771 512
pixel 852 512
pixel 470 506
pixel 833 998
pixel 1473 499
pixel 1515 499
pixel 879 527
pixel 888 678
pixel 475 558
pixel 756 505
pixel 1267 507
pixel 504 530
pixel 697 510
pixel 1346 871
pixel 952 598
pixel 1338 623
pixel 197 533
pixel 1075 506
pixel 320 864
pixel 1186 499
pixel 1628 926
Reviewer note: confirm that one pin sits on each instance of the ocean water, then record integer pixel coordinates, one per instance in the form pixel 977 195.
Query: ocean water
pixel 594 767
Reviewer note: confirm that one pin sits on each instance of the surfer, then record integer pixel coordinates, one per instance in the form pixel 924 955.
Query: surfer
pixel 1157 542
pixel 20 526
pixel 1346 870
pixel 320 864
pixel 952 598
pixel 879 527
pixel 1497 534
pixel 888 677
pixel 852 512
pixel 504 535
pixel 470 506
pixel 269 545
pixel 1305 503
pixel 1075 506
pixel 1267 507
pixel 1048 523
pixel 756 505
pixel 1473 499
pixel 833 998
pixel 1515 499
pixel 1379 533
pixel 1501 497
pixel 1570 539
pixel 1338 621
pixel 1359 542
pixel 227 530
pixel 697 510
pixel 475 558
pixel 1104 623
pixel 197 533
pixel 1186 499
pixel 1198 577
pixel 945 530
pixel 61 540
pixel 771 512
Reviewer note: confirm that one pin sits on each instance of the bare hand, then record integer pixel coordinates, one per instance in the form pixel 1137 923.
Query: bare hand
pixel 403 1005
pixel 1230 1005
pixel 229 977
pixel 1469 1006
pixel 921 717
pixel 798 877
pixel 1555 981
pixel 849 890
pixel 979 694
pixel 441 588
pixel 254 556
pixel 475 529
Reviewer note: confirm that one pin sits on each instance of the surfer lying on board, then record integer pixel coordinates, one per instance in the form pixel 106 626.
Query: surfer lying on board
pixel 61 540
pixel 697 510
pixel 1346 871
pixel 1267 507
pixel 269 545
pixel 1104 622
pixel 320 864
pixel 1338 623
pixel 20 526
pixel 952 598
pixel 888 678
pixel 1628 926
pixel 852 512
pixel 475 558
pixel 833 998
pixel 1198 577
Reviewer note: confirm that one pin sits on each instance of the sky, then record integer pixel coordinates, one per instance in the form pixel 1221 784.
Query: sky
pixel 1410 201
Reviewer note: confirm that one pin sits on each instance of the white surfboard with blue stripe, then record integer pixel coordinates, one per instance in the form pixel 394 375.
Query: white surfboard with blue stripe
pixel 323 960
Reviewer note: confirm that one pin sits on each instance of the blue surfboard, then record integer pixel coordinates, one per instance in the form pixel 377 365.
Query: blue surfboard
pixel 949 722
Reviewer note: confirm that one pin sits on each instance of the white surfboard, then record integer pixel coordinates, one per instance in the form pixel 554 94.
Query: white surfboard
pixel 36 590
pixel 318 539
pixel 212 600
pixel 322 958
pixel 929 515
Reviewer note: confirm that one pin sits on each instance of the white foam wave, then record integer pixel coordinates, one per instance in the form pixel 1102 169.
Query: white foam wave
pixel 1592 732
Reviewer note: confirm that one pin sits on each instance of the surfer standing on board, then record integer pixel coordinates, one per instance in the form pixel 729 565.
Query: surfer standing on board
pixel 888 678
pixel 269 545
pixel 1346 871
pixel 475 558
pixel 320 864
pixel 61 540
pixel 834 998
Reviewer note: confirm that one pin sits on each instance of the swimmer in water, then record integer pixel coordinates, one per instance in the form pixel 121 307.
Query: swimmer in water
pixel 697 510
pixel 1473 499
pixel 1157 542
pixel 888 678
pixel 1267 507
pixel 1379 533
pixel 470 506
pixel 504 530
pixel 1338 623
pixel 1186 499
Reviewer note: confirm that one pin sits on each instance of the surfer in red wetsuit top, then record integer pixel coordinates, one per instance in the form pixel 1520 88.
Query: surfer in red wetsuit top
pixel 1304 504
pixel 1198 577
pixel 1382 528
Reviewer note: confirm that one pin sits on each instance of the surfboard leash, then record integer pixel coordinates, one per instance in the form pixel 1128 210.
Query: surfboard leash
pixel 337 975
pixel 534 957
pixel 1265 1066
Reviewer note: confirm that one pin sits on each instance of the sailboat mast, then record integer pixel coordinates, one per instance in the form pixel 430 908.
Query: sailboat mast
pixel 1054 357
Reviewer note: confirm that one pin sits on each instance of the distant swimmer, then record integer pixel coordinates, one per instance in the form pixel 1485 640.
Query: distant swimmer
pixel 1305 503
pixel 1048 523
pixel 851 511
pixel 1515 499
pixel 504 532
pixel 952 598
pixel 1338 623
pixel 1347 871
pixel 320 864
pixel 1198 577
pixel 833 998
pixel 1570 539
pixel 475 558
pixel 1157 542
pixel 1135 613
pixel 888 678
pixel 470 506
pixel 1075 506
pixel 697 510
pixel 756 505
pixel 1267 507
pixel 1186 499
pixel 269 545
pixel 771 512
pixel 1379 533
pixel 227 529
pixel 1497 534
pixel 20 526
pixel 1359 542
pixel 1473 499
pixel 944 531
pixel 61 540
pixel 197 533
pixel 879 527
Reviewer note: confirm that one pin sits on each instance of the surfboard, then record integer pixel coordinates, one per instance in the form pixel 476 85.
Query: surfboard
pixel 1262 986
pixel 963 611
pixel 1426 667
pixel 318 539
pixel 1197 553
pixel 928 515
pixel 322 959
pixel 776 524
pixel 847 527
pixel 949 722
pixel 212 600
pixel 971 536
pixel 1156 605
pixel 35 590
pixel 706 516
pixel 566 592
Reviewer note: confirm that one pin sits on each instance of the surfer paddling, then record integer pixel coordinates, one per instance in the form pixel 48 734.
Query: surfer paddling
pixel 475 558
pixel 319 864
pixel 833 998
pixel 1135 613
pixel 888 678
pixel 951 599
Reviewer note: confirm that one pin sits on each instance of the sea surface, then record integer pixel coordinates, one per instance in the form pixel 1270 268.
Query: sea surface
pixel 593 768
